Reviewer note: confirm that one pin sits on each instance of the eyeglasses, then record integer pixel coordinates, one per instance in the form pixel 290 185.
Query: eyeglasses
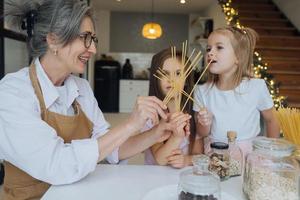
pixel 88 37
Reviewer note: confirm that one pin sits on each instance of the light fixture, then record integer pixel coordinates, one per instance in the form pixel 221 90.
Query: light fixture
pixel 182 1
pixel 152 30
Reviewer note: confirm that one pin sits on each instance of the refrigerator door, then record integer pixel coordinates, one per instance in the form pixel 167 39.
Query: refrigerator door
pixel 107 87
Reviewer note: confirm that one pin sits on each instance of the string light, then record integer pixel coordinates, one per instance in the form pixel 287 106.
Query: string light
pixel 260 69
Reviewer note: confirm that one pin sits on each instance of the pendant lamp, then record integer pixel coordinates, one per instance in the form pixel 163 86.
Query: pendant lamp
pixel 152 30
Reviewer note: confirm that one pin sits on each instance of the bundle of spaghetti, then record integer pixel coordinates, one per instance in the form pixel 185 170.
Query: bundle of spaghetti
pixel 177 81
pixel 289 120
pixel 202 74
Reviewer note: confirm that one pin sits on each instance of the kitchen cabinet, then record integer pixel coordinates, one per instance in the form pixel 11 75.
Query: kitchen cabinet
pixel 129 91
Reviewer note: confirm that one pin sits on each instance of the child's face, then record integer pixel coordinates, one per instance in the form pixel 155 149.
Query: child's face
pixel 170 66
pixel 220 51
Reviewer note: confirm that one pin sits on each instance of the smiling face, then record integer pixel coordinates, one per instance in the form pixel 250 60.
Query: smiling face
pixel 170 66
pixel 220 51
pixel 75 55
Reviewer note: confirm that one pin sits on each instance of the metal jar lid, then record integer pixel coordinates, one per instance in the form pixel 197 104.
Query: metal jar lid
pixel 219 145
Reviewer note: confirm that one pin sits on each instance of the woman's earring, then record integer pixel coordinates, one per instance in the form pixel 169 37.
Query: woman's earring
pixel 55 52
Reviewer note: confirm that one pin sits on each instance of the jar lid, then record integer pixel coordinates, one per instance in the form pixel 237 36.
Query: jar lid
pixel 219 145
pixel 273 146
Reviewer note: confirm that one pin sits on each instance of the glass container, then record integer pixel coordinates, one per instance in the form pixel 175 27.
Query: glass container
pixel 219 160
pixel 236 158
pixel 198 183
pixel 270 171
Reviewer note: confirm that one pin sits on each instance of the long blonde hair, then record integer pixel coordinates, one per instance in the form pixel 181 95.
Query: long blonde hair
pixel 243 41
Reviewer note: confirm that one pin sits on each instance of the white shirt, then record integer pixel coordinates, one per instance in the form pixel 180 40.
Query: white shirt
pixel 31 144
pixel 237 110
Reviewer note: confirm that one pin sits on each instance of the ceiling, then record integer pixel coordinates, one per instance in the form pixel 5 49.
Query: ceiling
pixel 160 6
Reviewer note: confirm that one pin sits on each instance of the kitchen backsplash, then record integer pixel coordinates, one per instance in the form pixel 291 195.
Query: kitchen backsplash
pixel 139 61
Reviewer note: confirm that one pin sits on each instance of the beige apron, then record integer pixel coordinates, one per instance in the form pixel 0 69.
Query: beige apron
pixel 19 185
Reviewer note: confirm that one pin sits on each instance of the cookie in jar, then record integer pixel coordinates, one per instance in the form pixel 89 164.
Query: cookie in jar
pixel 219 160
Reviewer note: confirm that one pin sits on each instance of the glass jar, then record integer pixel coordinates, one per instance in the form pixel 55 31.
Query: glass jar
pixel 270 171
pixel 236 158
pixel 198 183
pixel 296 154
pixel 219 160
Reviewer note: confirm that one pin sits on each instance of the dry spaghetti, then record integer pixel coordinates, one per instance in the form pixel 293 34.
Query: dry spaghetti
pixel 289 119
pixel 177 81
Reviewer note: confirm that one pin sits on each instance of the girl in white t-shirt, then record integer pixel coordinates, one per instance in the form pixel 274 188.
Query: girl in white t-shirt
pixel 178 149
pixel 232 99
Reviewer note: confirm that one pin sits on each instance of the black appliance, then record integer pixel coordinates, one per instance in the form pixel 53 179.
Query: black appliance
pixel 1 173
pixel 107 76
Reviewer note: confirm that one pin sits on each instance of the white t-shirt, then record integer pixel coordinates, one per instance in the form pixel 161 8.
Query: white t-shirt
pixel 237 110
pixel 32 145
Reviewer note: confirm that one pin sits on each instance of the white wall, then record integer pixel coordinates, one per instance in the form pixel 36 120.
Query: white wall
pixel 291 9
pixel 15 55
pixel 139 61
pixel 215 12
pixel 102 30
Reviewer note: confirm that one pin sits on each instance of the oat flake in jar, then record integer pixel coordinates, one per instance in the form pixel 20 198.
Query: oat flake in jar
pixel 270 171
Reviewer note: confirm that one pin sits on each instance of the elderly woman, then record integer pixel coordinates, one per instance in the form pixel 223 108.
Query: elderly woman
pixel 51 128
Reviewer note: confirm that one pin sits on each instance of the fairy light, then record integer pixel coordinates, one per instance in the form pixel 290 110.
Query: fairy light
pixel 259 68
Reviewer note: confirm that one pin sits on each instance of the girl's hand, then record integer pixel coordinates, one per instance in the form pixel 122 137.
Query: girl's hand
pixel 146 108
pixel 178 159
pixel 204 117
pixel 180 124
pixel 163 130
pixel 187 128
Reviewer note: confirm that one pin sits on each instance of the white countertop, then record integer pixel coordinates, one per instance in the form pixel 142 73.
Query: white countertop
pixel 128 182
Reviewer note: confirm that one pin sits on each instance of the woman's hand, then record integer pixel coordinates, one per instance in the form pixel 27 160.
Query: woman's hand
pixel 146 108
pixel 204 117
pixel 180 124
pixel 178 160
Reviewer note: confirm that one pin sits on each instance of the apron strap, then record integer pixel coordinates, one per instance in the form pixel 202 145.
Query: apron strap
pixel 37 88
pixel 38 91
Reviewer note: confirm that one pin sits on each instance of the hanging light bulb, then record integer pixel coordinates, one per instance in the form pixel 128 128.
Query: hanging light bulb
pixel 152 30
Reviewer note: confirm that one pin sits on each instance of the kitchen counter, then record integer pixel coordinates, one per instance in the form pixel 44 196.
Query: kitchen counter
pixel 128 182
pixel 135 79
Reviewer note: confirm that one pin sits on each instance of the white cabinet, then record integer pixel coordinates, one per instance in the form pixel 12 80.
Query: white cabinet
pixel 129 91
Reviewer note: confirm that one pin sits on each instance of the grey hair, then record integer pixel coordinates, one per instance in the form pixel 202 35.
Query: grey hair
pixel 60 17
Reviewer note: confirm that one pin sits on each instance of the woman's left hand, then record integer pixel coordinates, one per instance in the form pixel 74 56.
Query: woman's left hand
pixel 177 159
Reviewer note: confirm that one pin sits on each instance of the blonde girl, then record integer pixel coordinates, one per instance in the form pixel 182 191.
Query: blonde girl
pixel 232 98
